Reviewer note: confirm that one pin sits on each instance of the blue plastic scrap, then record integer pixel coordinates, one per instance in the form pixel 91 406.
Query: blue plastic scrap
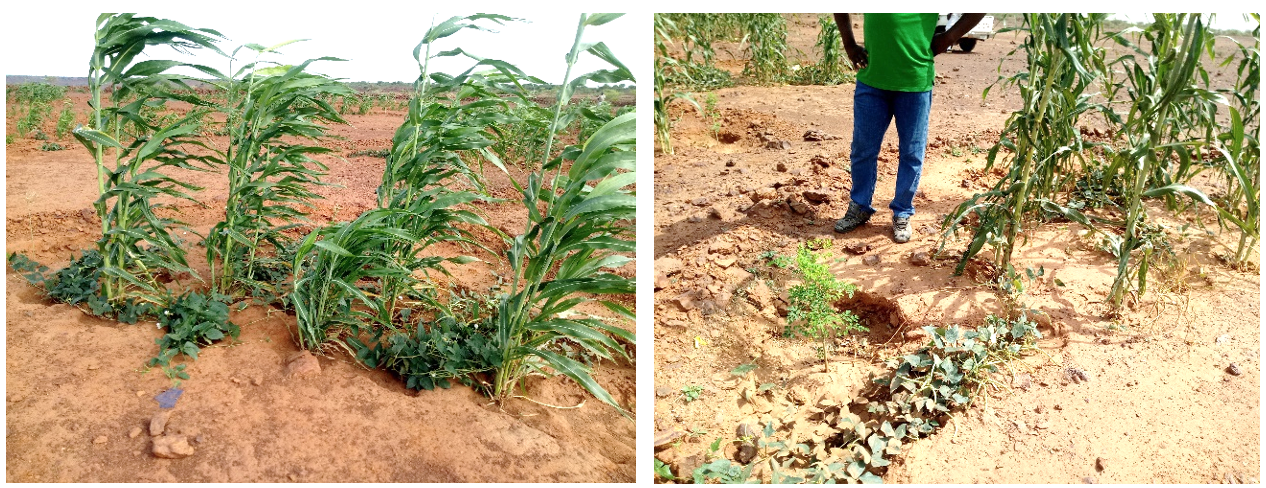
pixel 167 399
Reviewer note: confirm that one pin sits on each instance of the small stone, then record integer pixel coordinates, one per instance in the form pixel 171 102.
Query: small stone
pixel 661 281
pixel 172 447
pixel 920 258
pixel 1039 409
pixel 1043 425
pixel 798 206
pixel 663 391
pixel 292 477
pixel 199 439
pixel 700 202
pixel 1022 381
pixel 257 380
pixel 1089 480
pixel 158 422
pixel 1234 369
pixel 302 364
pixel 663 438
pixel 694 219
pixel 726 261
pixel 816 196
pixel 134 432
pixel 729 164
pixel 93 367
pixel 858 247
pixel 667 265
pixel 781 167
pixel 916 335
pixel 720 213
pixel 1059 407
pixel 766 193
pixel 100 439
pixel 870 260
pixel 1101 464
pixel 778 144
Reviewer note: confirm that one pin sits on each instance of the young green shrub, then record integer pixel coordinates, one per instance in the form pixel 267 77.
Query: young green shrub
pixel 811 312
pixel 192 320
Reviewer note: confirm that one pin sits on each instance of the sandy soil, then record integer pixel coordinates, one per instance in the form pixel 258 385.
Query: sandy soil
pixel 1160 405
pixel 76 387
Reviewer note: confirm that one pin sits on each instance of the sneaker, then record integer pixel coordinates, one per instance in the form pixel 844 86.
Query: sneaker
pixel 901 229
pixel 854 218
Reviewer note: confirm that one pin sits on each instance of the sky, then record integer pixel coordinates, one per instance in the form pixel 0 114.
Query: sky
pixel 377 42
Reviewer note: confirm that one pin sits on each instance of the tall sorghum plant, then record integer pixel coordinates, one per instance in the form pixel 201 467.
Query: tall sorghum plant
pixel 132 153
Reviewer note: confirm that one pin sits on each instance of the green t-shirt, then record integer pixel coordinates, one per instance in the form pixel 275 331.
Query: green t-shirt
pixel 900 52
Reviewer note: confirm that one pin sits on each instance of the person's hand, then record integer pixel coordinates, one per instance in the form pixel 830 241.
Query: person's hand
pixel 857 55
pixel 941 43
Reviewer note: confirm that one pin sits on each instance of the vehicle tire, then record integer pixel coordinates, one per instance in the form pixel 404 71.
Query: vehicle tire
pixel 966 44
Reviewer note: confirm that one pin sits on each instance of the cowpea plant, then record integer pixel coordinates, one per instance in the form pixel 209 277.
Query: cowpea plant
pixel 578 221
pixel 273 110
pixel 136 243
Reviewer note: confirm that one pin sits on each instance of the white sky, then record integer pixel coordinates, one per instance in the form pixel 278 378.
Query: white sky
pixel 376 41
pixel 1235 21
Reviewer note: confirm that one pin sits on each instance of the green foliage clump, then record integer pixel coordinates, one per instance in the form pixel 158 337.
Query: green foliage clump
pixel 51 146
pixel 192 320
pixel 436 353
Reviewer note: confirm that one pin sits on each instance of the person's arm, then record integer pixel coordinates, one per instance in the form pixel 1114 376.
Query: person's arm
pixel 856 54
pixel 942 42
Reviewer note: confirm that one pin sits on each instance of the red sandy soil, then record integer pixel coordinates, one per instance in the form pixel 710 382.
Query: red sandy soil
pixel 73 379
pixel 1160 405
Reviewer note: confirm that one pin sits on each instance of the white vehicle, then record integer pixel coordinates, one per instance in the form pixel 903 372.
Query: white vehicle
pixel 982 31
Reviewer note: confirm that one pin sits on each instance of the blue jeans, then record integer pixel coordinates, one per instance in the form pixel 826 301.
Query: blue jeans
pixel 873 111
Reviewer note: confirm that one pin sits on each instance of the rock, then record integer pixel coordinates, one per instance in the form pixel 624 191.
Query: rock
pixel 668 266
pixel 100 439
pixel 1234 369
pixel 199 439
pixel 661 281
pixel 720 213
pixel 870 260
pixel 816 196
pixel 729 164
pixel 666 437
pixel 694 219
pixel 134 432
pixel 1089 480
pixel 1043 425
pixel 689 464
pixel 1101 464
pixel 781 167
pixel 746 453
pixel 798 206
pixel 916 335
pixel 686 301
pixel 920 258
pixel 158 422
pixel 172 447
pixel 778 144
pixel 721 246
pixel 664 391
pixel 820 161
pixel 760 295
pixel 257 380
pixel 857 247
pixel 700 202
pixel 302 364
pixel 766 193
pixel 725 261
pixel 817 135
pixel 1022 381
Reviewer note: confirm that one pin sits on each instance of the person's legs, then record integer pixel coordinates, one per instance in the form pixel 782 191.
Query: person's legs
pixel 911 111
pixel 872 113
